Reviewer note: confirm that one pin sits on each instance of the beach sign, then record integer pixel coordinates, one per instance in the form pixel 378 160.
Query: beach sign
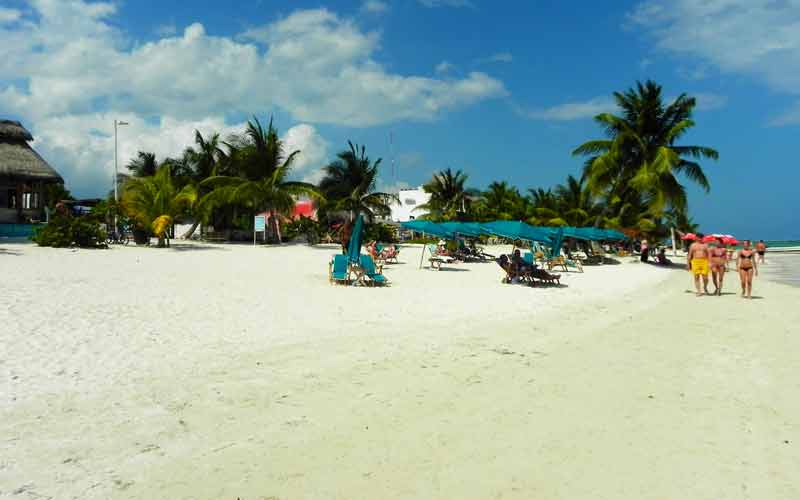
pixel 259 225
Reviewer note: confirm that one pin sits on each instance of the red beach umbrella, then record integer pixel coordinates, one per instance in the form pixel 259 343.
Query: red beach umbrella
pixel 730 241
pixel 709 238
pixel 689 237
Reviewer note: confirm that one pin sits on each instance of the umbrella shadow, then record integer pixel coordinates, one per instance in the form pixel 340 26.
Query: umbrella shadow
pixel 198 248
pixel 4 251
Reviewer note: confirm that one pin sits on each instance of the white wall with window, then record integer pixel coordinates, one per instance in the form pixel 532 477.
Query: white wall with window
pixel 410 200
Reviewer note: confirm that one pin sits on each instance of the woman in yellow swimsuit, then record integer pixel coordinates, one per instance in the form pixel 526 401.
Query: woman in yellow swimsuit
pixel 746 265
pixel 719 261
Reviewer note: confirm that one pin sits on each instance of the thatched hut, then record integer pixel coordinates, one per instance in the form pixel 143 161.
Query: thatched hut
pixel 23 176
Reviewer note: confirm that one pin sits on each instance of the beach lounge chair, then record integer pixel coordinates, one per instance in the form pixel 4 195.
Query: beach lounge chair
pixel 436 259
pixel 389 254
pixel 338 270
pixel 524 276
pixel 370 273
pixel 541 274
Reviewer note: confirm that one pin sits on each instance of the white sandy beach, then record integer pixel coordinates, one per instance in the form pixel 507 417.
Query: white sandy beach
pixel 225 372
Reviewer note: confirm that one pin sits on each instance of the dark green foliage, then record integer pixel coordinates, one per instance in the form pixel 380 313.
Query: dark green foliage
pixel 64 231
pixel 383 233
pixel 350 184
pixel 304 226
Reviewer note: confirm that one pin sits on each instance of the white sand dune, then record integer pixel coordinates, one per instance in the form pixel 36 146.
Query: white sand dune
pixel 237 372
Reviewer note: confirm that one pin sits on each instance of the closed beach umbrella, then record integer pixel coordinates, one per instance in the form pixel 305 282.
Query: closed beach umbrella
pixel 557 239
pixel 517 230
pixel 356 239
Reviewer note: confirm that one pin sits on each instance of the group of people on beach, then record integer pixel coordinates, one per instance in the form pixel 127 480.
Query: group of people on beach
pixel 704 259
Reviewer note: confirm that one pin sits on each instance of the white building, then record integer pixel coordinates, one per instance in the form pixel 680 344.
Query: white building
pixel 410 199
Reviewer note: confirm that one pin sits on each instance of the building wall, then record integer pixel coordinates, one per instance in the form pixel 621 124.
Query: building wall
pixel 10 215
pixel 410 199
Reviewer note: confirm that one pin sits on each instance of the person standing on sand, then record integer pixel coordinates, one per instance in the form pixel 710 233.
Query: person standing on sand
pixel 719 263
pixel 697 263
pixel 746 265
pixel 761 249
pixel 644 250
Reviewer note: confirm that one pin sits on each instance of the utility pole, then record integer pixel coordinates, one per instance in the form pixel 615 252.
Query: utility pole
pixel 117 123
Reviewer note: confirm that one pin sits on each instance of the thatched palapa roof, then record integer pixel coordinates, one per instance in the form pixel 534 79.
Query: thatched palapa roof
pixel 18 160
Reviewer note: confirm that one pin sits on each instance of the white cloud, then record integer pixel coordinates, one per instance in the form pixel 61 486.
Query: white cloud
pixel 166 30
pixel 313 151
pixel 756 37
pixel 313 64
pixel 444 67
pixel 375 6
pixel 572 110
pixel 74 72
pixel 707 101
pixel 645 63
pixel 81 147
pixel 446 3
pixel 500 57
pixel 789 117
pixel 8 16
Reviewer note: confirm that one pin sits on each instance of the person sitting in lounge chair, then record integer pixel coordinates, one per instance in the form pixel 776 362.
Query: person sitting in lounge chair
pixel 661 258
pixel 518 263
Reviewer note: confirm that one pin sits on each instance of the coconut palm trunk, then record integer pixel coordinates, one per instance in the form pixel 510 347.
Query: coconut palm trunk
pixel 188 234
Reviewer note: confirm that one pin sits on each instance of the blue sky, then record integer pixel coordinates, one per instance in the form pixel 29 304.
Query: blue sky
pixel 503 92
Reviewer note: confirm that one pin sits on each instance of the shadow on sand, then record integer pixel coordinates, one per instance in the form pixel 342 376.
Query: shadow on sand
pixel 196 247
pixel 4 251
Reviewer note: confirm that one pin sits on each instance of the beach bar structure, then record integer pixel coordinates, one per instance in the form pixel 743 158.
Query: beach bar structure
pixel 23 178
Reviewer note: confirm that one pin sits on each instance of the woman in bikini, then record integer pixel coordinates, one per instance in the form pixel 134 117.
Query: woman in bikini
pixel 746 265
pixel 718 257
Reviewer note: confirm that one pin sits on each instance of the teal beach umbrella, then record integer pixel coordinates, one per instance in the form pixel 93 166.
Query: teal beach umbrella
pixel 517 230
pixel 356 239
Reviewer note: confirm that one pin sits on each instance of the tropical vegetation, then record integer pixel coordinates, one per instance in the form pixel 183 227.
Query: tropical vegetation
pixel 633 179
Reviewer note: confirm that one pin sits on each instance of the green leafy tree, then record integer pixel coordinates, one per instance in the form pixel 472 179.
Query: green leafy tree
pixel 576 203
pixel 640 157
pixel 449 199
pixel 545 208
pixel 204 161
pixel 154 202
pixel 350 184
pixel 144 165
pixel 259 176
pixel 503 201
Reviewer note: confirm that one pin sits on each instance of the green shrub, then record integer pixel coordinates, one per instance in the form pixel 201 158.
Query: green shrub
pixel 302 226
pixel 383 233
pixel 64 231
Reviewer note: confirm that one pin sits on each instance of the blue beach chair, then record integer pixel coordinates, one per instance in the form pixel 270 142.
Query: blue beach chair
pixel 370 272
pixel 338 270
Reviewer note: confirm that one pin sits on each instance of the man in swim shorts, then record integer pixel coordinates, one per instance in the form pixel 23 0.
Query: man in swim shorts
pixel 761 250
pixel 697 263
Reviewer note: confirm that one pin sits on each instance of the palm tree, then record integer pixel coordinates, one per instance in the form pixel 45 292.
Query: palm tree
pixel 144 165
pixel 261 181
pixel 203 162
pixel 154 202
pixel 576 203
pixel 503 201
pixel 546 210
pixel 640 157
pixel 350 182
pixel 448 196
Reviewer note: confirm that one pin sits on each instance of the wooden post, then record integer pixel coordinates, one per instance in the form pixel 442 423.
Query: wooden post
pixel 674 246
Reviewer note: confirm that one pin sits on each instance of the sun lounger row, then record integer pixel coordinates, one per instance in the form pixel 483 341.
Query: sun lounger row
pixel 366 273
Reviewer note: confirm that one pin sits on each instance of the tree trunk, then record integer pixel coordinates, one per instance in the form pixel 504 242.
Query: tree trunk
pixel 188 234
pixel 274 226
